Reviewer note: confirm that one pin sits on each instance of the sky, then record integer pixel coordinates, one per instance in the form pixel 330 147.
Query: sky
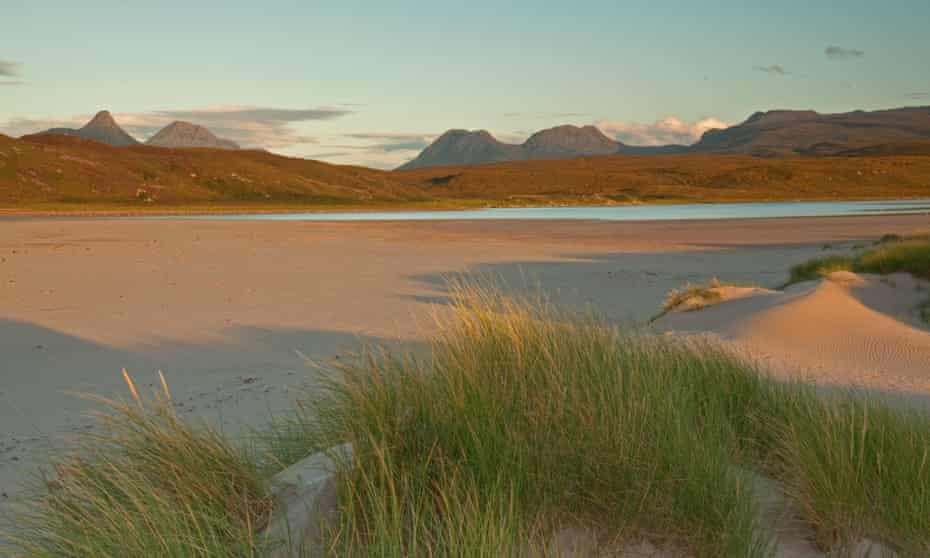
pixel 372 82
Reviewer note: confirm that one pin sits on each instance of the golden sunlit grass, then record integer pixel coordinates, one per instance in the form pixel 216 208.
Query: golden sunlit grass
pixel 891 254
pixel 148 484
pixel 693 297
pixel 522 419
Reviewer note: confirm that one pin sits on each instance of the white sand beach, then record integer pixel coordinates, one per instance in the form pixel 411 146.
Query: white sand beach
pixel 230 309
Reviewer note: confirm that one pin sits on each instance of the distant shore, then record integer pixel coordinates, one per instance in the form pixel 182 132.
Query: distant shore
pixel 137 210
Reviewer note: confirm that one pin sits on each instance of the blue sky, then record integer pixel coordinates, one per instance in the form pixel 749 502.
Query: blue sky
pixel 371 82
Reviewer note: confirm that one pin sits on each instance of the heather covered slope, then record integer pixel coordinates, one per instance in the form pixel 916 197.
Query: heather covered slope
pixel 684 178
pixel 50 169
pixel 46 170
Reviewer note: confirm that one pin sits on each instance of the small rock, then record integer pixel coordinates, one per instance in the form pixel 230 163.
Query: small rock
pixel 307 496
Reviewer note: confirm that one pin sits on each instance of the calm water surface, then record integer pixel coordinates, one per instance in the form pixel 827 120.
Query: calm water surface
pixel 613 213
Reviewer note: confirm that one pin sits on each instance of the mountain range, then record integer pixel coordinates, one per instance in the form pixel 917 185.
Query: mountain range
pixel 56 171
pixel 463 147
pixel 104 129
pixel 776 133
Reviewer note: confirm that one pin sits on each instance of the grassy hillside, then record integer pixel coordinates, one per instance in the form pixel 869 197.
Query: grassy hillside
pixel 56 169
pixel 625 178
pixel 54 172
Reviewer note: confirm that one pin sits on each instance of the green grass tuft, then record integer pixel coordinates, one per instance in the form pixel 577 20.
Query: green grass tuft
pixel 693 297
pixel 819 268
pixel 891 254
pixel 523 419
pixel 147 485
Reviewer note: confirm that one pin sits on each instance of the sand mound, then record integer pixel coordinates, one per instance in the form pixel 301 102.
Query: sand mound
pixel 846 330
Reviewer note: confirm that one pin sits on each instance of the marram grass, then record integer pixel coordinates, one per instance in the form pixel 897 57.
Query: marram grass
pixel 148 484
pixel 891 254
pixel 528 419
pixel 519 421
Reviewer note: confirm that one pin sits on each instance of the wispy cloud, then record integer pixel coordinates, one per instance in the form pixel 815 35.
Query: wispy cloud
pixel 918 95
pixel 376 149
pixel 264 127
pixel 834 52
pixel 221 114
pixel 774 69
pixel 669 130
pixel 8 68
pixel 21 126
pixel 545 114
pixel 390 142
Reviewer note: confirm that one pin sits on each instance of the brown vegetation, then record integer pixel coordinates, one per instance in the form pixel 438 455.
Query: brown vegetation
pixel 57 170
pixel 693 177
pixel 61 169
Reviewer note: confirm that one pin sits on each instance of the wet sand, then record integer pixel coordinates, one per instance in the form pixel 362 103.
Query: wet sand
pixel 229 309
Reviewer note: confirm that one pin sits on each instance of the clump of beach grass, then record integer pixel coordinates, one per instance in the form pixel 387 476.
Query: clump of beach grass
pixel 891 254
pixel 147 484
pixel 690 298
pixel 858 469
pixel 524 419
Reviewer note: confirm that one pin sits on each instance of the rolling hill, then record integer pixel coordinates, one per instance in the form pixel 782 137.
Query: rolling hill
pixel 678 178
pixel 61 169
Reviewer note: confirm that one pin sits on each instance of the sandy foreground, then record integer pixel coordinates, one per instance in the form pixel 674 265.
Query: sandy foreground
pixel 230 309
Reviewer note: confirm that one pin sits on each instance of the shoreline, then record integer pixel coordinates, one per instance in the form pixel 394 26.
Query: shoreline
pixel 211 211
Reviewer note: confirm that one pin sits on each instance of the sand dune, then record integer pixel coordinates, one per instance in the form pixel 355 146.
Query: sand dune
pixel 847 330
pixel 221 306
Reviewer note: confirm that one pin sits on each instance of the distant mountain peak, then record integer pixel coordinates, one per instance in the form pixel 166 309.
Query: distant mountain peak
pixel 464 147
pixel 790 133
pixel 569 141
pixel 180 134
pixel 102 118
pixel 102 127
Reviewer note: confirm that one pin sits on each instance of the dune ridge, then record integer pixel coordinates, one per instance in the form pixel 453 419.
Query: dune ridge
pixel 846 330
